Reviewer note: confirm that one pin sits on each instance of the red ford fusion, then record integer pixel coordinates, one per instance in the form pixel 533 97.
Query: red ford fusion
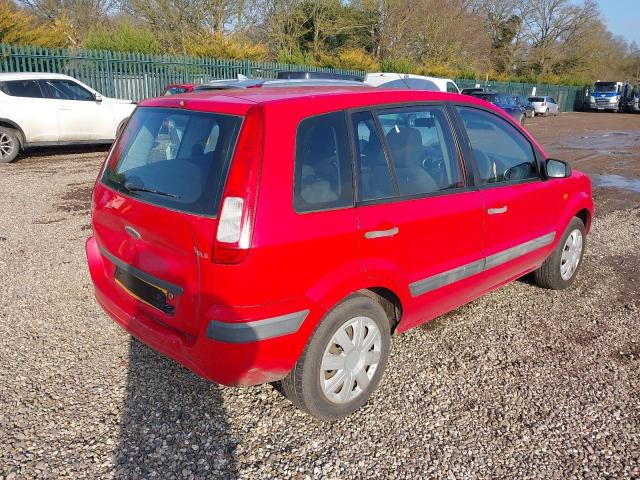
pixel 257 236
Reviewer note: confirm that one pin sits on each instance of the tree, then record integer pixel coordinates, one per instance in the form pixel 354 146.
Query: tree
pixel 19 27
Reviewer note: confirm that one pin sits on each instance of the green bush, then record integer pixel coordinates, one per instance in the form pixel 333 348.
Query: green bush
pixel 123 37
pixel 398 65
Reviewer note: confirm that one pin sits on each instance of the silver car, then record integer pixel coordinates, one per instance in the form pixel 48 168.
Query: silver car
pixel 544 106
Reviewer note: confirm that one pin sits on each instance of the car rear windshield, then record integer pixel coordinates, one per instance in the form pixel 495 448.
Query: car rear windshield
pixel 174 158
pixel 536 99
pixel 489 97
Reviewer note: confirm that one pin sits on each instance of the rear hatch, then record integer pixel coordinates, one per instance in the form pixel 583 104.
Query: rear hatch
pixel 155 207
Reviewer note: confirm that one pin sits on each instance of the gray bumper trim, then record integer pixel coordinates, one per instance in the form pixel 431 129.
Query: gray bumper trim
pixel 460 273
pixel 243 332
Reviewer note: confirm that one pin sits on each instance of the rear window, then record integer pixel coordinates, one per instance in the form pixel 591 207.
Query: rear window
pixel 174 158
pixel 323 177
pixel 174 91
pixel 489 97
pixel 21 88
pixel 536 99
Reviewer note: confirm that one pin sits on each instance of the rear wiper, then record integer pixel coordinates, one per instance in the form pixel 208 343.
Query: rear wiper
pixel 137 188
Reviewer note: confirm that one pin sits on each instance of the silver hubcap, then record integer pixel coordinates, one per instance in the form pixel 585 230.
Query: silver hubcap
pixel 571 254
pixel 350 360
pixel 6 145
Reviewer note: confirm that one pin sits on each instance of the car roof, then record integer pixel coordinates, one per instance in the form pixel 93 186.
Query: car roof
pixel 342 97
pixel 32 76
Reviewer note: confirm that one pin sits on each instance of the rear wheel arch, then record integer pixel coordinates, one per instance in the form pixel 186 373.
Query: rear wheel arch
pixel 585 216
pixel 14 126
pixel 388 300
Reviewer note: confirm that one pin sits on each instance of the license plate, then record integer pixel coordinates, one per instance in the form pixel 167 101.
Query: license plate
pixel 145 292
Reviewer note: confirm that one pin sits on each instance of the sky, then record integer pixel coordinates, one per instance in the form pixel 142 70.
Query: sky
pixel 622 17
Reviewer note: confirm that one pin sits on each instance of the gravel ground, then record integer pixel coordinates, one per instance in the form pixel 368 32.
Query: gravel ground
pixel 523 383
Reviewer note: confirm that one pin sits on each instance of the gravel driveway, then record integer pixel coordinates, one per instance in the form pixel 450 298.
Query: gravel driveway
pixel 523 383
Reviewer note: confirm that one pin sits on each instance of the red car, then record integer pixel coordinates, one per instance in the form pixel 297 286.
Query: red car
pixel 257 235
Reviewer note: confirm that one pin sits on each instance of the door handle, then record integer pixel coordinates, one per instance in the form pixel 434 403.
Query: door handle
pixel 382 233
pixel 497 211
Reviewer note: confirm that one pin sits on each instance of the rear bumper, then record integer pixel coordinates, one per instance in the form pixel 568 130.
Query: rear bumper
pixel 239 346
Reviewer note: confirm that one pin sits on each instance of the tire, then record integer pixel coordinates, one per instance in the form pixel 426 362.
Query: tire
pixel 9 145
pixel 546 113
pixel 309 387
pixel 522 117
pixel 550 274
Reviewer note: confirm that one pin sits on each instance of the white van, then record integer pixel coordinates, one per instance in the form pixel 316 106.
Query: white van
pixel 411 82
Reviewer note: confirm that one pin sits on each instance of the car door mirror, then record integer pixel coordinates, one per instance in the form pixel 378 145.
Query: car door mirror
pixel 557 169
pixel 97 97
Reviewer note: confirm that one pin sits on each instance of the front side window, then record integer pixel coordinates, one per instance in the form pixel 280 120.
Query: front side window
pixel 322 177
pixel 67 90
pixel 422 150
pixel 502 153
pixel 21 88
pixel 174 158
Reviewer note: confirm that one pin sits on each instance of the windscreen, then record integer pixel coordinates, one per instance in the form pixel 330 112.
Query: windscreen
pixel 605 87
pixel 174 158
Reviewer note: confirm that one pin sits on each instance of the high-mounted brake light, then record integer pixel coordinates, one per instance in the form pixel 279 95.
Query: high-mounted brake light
pixel 237 216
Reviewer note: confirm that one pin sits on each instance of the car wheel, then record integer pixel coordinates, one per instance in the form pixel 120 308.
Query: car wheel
pixel 343 362
pixel 560 269
pixel 9 145
pixel 546 113
pixel 522 117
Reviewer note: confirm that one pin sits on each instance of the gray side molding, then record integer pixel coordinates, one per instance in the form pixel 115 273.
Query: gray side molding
pixel 244 332
pixel 460 273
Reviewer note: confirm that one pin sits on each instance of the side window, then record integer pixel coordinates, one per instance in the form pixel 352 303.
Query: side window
pixel 451 88
pixel 374 178
pixel 502 153
pixel 67 90
pixel 422 150
pixel 22 88
pixel 552 100
pixel 322 177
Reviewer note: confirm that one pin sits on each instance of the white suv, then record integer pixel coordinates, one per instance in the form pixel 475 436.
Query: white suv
pixel 38 109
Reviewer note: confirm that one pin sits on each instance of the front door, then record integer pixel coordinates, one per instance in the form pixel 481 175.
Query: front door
pixel 420 223
pixel 521 207
pixel 81 117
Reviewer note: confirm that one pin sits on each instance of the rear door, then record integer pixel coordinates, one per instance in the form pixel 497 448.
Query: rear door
pixel 521 209
pixel 421 223
pixel 155 208
pixel 24 97
pixel 81 117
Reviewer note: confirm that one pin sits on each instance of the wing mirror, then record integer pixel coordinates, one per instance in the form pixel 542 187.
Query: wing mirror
pixel 557 168
pixel 97 97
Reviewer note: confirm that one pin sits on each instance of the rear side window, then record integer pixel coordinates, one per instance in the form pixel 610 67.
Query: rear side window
pixel 375 180
pixel 22 88
pixel 322 177
pixel 422 150
pixel 502 153
pixel 451 88
pixel 174 158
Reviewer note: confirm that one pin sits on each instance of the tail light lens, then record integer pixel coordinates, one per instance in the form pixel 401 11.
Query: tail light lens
pixel 230 220
pixel 544 104
pixel 235 225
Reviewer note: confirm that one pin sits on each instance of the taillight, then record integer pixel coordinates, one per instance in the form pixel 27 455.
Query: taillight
pixel 237 216
pixel 544 104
